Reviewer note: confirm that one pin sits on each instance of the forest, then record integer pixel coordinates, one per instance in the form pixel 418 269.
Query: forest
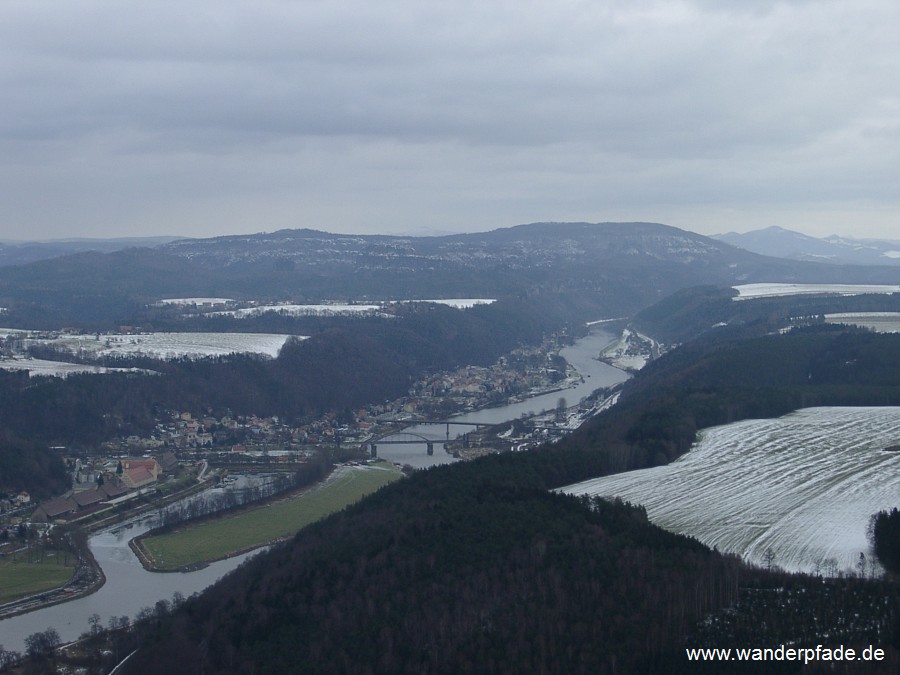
pixel 886 538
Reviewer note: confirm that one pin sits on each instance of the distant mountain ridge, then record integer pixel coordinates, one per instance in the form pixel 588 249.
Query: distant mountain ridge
pixel 612 269
pixel 517 246
pixel 23 252
pixel 781 243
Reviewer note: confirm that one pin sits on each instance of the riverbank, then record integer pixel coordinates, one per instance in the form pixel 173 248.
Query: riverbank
pixel 88 577
pixel 592 375
pixel 231 533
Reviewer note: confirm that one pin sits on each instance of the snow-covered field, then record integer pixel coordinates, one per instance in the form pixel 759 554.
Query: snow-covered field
pixel 169 345
pixel 880 322
pixel 299 310
pixel 748 291
pixel 42 368
pixel 337 309
pixel 803 485
pixel 630 352
pixel 199 302
pixel 460 303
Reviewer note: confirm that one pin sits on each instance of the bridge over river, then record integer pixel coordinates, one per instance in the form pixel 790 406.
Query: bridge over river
pixel 407 437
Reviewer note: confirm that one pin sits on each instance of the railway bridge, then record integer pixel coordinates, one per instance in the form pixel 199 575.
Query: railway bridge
pixel 404 436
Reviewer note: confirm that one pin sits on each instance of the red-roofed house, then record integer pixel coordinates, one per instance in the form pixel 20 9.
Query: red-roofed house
pixel 139 472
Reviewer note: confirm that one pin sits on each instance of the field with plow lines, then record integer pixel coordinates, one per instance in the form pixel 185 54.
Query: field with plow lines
pixel 802 487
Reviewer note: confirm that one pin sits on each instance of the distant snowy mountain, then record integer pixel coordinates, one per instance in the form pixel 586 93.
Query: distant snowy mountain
pixel 781 243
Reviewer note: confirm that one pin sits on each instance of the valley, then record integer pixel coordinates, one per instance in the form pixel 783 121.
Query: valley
pixel 319 368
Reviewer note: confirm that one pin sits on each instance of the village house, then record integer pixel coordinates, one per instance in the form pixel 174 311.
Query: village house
pixel 54 510
pixel 168 462
pixel 112 487
pixel 137 473
pixel 87 498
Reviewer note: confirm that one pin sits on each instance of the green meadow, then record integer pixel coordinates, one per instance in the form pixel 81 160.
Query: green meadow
pixel 247 529
pixel 19 578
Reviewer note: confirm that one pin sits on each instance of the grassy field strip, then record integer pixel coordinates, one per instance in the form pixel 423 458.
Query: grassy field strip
pixel 21 578
pixel 244 530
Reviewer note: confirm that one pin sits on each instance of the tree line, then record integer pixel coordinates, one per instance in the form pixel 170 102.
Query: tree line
pixel 885 534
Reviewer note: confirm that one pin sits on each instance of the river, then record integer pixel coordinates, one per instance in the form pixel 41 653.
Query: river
pixel 129 587
pixel 582 355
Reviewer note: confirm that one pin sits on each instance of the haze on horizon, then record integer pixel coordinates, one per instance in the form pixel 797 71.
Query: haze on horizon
pixel 232 117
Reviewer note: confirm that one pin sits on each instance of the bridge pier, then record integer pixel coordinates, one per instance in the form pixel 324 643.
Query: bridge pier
pixel 430 448
pixel 373 450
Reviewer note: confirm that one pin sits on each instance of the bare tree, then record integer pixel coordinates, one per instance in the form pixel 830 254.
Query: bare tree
pixel 43 644
pixel 561 407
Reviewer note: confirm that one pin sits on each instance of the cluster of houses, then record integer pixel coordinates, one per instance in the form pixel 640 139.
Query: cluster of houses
pixel 470 387
pixel 16 501
pixel 97 487
pixel 475 387
pixel 183 431
pixel 523 371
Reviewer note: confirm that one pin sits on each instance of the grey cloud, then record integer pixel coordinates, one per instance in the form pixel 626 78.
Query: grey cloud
pixel 667 101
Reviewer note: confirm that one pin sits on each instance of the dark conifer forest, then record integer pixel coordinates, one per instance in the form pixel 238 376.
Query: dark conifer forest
pixel 886 538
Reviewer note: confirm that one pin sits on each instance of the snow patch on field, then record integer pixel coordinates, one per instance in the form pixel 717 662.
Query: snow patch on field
pixel 42 368
pixel 460 303
pixel 749 291
pixel 880 322
pixel 338 309
pixel 631 352
pixel 169 345
pixel 199 302
pixel 299 310
pixel 803 486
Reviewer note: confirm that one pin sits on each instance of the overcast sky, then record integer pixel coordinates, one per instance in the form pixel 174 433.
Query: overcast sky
pixel 219 117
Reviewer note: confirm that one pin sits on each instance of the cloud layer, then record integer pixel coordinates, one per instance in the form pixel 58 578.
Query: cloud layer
pixel 211 117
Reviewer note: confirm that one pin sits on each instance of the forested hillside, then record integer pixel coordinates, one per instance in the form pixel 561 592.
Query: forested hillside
pixel 711 311
pixel 451 572
pixel 614 268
